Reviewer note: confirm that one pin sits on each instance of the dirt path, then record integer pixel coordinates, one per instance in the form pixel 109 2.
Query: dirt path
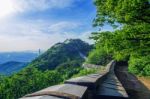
pixel 137 88
pixel 145 81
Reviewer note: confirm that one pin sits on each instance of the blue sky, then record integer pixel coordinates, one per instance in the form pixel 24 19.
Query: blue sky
pixel 34 24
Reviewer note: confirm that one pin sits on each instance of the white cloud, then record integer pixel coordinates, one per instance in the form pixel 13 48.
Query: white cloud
pixel 63 26
pixel 83 35
pixel 11 7
pixel 6 8
pixel 40 5
pixel 24 34
pixel 29 35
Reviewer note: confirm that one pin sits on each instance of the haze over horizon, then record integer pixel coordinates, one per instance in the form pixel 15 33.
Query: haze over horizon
pixel 32 25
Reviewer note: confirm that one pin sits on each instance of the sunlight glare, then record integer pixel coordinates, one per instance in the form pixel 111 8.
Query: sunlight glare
pixel 6 8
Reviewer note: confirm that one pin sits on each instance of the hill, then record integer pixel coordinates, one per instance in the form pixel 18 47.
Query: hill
pixel 11 67
pixel 70 50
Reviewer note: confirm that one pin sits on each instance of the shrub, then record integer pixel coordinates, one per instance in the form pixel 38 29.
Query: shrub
pixel 98 57
pixel 84 71
pixel 140 65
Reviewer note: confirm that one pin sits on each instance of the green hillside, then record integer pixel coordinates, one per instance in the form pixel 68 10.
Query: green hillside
pixel 68 51
pixel 60 62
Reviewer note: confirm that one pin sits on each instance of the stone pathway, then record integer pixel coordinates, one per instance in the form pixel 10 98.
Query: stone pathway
pixel 111 87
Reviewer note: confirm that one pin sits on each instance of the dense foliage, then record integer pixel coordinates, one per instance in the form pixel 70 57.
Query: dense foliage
pixel 131 40
pixel 140 65
pixel 32 79
pixel 98 57
pixel 122 11
pixel 59 63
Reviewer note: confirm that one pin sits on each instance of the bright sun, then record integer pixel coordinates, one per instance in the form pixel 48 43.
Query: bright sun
pixel 6 8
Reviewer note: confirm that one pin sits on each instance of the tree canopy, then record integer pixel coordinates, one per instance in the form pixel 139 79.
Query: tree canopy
pixel 122 11
pixel 131 40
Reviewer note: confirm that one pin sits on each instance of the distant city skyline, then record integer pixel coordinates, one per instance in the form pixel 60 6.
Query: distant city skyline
pixel 39 24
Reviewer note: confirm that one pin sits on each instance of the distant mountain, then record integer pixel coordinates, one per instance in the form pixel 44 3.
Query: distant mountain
pixel 70 50
pixel 11 67
pixel 17 56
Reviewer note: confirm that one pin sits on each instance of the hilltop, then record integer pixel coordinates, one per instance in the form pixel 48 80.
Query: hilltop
pixel 71 50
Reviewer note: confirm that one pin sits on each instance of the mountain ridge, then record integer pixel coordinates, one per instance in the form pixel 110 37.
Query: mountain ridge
pixel 11 67
pixel 69 50
pixel 17 56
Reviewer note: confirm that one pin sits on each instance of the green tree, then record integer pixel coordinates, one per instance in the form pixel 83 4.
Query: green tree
pixel 131 40
pixel 122 11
